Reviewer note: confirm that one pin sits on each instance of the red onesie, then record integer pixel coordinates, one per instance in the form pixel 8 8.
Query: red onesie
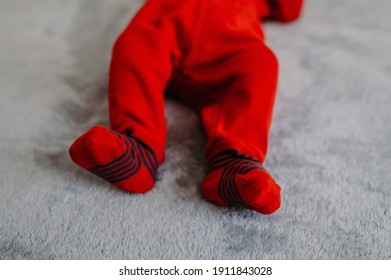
pixel 212 55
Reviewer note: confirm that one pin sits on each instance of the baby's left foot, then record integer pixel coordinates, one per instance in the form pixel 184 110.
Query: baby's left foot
pixel 120 159
pixel 235 179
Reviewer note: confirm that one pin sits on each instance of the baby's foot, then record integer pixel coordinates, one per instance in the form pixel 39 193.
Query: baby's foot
pixel 120 159
pixel 235 179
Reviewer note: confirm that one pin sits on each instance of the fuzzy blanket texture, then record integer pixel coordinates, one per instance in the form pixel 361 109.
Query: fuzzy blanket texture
pixel 330 143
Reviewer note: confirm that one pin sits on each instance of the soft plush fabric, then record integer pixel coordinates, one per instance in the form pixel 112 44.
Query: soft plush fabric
pixel 329 145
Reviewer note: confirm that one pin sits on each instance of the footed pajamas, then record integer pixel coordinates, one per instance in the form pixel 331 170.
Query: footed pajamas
pixel 210 54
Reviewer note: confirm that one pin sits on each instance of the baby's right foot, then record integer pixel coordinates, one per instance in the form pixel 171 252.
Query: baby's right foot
pixel 120 159
pixel 236 179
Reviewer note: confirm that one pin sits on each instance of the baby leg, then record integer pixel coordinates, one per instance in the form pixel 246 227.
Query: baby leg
pixel 128 155
pixel 237 122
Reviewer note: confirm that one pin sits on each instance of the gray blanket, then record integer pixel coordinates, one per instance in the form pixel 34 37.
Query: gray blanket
pixel 329 143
